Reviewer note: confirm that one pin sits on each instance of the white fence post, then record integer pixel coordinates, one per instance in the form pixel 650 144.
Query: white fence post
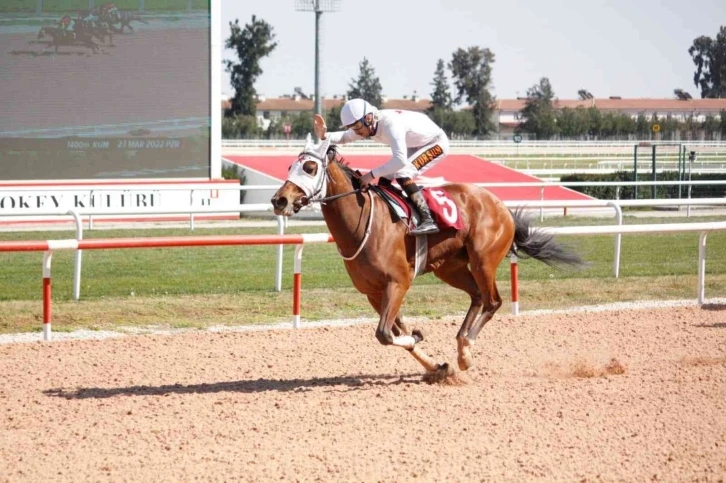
pixel 297 286
pixel 278 272
pixel 702 268
pixel 79 255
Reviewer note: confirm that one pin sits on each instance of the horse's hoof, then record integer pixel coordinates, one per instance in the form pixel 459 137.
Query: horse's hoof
pixel 465 362
pixel 418 335
pixel 445 369
pixel 440 374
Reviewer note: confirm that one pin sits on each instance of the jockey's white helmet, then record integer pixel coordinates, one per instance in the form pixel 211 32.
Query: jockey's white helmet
pixel 355 110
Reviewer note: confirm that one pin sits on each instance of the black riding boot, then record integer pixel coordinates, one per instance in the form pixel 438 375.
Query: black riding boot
pixel 428 225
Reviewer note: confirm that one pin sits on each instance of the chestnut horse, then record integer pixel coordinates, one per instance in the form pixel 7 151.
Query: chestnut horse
pixel 380 256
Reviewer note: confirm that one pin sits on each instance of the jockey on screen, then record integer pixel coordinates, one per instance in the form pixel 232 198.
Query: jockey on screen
pixel 416 142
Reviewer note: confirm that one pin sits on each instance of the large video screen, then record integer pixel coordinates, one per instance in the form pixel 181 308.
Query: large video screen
pixel 95 90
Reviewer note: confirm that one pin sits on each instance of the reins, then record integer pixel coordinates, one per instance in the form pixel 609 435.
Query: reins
pixel 335 197
pixel 369 224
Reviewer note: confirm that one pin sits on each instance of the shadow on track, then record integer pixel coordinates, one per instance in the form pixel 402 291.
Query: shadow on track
pixel 349 383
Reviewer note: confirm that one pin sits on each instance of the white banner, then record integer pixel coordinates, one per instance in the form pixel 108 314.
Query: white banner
pixel 125 200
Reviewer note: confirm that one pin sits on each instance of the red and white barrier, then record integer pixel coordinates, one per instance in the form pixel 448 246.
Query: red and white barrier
pixel 186 241
pixel 514 277
pixel 49 246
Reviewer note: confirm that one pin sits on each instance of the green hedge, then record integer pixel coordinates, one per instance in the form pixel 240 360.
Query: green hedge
pixel 646 192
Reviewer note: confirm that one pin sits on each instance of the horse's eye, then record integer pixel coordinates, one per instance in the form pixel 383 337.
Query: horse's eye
pixel 289 168
pixel 310 167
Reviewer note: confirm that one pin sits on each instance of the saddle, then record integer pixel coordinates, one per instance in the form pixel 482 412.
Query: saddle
pixel 401 207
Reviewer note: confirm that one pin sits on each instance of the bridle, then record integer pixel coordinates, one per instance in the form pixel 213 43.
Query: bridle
pixel 306 200
pixel 321 185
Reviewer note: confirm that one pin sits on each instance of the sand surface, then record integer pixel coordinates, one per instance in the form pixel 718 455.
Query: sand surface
pixel 624 395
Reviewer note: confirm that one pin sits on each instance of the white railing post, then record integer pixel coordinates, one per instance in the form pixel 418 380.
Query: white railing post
pixel 702 268
pixel 79 255
pixel 618 239
pixel 297 287
pixel 278 272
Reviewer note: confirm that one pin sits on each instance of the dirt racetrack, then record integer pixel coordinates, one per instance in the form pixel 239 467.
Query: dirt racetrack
pixel 545 402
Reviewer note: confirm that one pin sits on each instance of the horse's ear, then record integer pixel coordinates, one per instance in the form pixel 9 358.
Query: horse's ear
pixel 322 148
pixel 309 143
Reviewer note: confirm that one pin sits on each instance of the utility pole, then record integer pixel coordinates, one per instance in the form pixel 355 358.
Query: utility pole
pixel 317 6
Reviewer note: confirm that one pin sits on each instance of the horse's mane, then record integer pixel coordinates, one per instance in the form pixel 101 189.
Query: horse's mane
pixel 335 157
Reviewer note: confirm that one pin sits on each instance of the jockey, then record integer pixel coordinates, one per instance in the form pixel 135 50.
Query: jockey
pixel 68 25
pixel 416 142
pixel 91 18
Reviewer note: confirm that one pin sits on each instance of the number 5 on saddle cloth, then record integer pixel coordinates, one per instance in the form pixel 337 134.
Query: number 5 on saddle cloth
pixel 443 208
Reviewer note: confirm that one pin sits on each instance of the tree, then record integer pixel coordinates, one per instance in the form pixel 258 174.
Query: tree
pixel 538 111
pixel 332 117
pixel 251 44
pixel 682 95
pixel 441 97
pixel 573 123
pixel 240 127
pixel 472 73
pixel 584 94
pixel 595 123
pixel 367 86
pixel 710 126
pixel 709 56
pixel 642 127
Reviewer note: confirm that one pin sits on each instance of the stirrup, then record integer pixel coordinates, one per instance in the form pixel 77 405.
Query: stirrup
pixel 426 228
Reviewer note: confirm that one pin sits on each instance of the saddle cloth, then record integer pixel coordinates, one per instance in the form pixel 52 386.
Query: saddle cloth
pixel 443 209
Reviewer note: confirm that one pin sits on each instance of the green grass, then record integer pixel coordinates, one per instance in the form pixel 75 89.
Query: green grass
pixel 197 287
pixel 59 6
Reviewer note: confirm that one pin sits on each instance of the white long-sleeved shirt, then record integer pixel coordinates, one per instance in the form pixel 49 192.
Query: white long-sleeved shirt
pixel 401 130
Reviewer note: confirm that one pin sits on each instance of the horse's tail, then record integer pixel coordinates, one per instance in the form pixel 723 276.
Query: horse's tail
pixel 534 243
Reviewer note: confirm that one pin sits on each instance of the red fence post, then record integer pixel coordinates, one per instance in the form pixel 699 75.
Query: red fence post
pixel 297 287
pixel 47 257
pixel 514 275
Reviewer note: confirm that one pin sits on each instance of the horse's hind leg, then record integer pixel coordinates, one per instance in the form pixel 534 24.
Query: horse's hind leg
pixel 484 270
pixel 458 276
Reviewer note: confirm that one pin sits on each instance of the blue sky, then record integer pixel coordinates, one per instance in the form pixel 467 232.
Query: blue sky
pixel 628 48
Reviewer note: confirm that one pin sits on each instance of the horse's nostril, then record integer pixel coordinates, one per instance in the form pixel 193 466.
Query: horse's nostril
pixel 279 202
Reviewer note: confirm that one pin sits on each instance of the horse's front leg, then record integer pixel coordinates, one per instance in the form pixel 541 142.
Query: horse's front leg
pixel 390 306
pixel 399 327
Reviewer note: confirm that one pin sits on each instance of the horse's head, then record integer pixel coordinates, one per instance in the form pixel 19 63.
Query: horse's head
pixel 306 179
pixel 41 33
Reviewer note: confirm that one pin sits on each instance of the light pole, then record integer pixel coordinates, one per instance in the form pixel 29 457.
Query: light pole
pixel 317 6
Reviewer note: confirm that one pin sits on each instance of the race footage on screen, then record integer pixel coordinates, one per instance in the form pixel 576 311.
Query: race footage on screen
pixel 97 91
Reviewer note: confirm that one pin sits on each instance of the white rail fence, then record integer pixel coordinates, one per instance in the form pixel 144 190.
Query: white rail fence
pixel 615 205
pixel 479 147
pixel 49 246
